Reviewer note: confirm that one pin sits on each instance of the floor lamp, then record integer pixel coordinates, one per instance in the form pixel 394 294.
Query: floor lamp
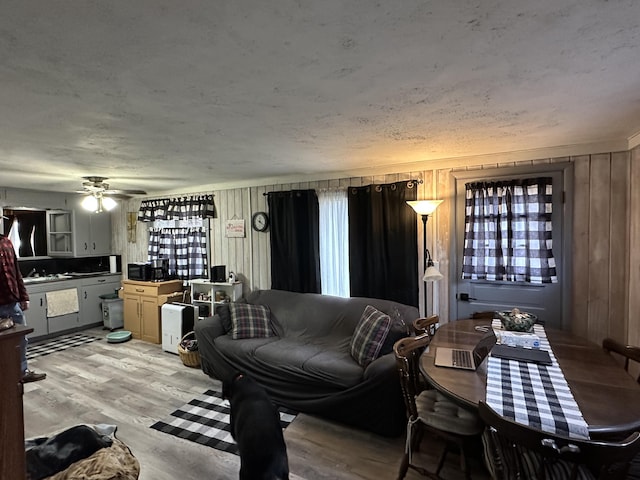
pixel 431 273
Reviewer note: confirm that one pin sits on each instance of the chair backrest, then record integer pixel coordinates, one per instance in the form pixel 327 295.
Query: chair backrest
pixel 604 459
pixel 628 352
pixel 427 325
pixel 407 352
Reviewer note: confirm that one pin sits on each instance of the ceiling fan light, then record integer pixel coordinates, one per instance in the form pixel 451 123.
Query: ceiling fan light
pixel 109 203
pixel 90 203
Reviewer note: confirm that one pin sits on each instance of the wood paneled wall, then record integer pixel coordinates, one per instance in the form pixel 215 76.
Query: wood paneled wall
pixel 606 228
pixel 249 257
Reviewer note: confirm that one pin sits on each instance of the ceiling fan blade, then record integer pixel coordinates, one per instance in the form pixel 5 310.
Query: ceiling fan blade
pixel 124 192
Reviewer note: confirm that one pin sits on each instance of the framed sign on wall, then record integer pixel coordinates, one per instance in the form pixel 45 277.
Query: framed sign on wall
pixel 234 228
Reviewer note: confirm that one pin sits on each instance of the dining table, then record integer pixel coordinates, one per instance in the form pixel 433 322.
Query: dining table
pixel 608 397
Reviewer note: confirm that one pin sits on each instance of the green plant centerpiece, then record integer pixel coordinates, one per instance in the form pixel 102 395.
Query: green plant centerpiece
pixel 517 321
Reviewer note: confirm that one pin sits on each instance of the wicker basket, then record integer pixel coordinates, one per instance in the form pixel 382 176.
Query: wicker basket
pixel 190 359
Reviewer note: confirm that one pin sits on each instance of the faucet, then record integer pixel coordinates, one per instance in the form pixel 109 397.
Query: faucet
pixel 31 273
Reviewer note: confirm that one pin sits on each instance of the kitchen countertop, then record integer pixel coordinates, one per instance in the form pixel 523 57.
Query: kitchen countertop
pixel 66 276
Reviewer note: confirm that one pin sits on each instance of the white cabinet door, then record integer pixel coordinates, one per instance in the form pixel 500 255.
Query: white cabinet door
pixel 81 227
pixel 59 233
pixel 90 301
pixel 36 315
pixel 100 229
pixel 92 233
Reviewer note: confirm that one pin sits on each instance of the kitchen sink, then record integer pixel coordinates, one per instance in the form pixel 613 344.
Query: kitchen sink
pixel 46 278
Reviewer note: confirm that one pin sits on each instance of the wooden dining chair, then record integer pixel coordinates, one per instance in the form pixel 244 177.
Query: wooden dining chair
pixel 427 325
pixel 514 450
pixel 627 352
pixel 430 411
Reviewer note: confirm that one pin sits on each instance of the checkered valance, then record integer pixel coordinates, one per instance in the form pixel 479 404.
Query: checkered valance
pixel 184 208
pixel 508 231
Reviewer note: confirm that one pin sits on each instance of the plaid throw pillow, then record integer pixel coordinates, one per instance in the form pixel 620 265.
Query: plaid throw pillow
pixel 369 335
pixel 250 321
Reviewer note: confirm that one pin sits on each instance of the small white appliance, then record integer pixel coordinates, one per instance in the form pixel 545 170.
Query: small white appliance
pixel 178 319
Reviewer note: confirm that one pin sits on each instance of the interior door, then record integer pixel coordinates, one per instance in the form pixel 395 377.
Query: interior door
pixel 548 301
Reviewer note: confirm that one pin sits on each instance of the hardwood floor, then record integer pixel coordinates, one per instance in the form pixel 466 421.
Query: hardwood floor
pixel 134 384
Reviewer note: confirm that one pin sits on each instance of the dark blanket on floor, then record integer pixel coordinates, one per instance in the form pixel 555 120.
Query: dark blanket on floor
pixel 47 456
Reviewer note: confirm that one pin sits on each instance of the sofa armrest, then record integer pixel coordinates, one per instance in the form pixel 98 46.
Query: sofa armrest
pixel 381 366
pixel 210 327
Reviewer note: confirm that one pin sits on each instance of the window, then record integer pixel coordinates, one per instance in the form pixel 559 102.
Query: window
pixel 179 232
pixel 507 233
pixel 186 249
pixel 334 242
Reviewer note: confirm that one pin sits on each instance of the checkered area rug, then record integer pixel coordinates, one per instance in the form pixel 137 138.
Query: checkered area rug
pixel 58 344
pixel 205 420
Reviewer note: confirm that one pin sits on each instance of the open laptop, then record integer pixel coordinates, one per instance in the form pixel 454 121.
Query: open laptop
pixel 463 358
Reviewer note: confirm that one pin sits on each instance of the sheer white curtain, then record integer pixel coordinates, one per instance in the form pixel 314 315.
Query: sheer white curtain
pixel 334 242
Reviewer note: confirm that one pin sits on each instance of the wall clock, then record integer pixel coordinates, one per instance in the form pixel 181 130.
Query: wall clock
pixel 260 221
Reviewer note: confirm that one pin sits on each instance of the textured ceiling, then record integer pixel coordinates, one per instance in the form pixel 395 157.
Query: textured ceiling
pixel 168 95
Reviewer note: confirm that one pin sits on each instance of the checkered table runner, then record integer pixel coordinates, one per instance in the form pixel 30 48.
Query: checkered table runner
pixel 535 395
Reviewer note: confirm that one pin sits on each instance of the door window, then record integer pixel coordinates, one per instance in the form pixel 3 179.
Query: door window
pixel 508 231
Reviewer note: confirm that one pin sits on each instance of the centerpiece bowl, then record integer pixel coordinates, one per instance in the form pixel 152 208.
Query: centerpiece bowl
pixel 517 321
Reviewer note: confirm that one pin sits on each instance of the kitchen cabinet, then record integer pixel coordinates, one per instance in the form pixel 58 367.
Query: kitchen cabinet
pixel 90 302
pixel 36 315
pixel 63 323
pixel 205 295
pixel 142 302
pixel 12 457
pixel 92 233
pixel 59 233
pixel 89 312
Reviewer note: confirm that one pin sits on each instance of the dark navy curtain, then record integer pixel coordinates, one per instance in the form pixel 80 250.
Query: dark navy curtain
pixel 383 249
pixel 295 241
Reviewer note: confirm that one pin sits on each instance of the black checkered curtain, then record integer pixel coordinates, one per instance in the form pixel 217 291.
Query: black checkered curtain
pixel 295 241
pixel 184 208
pixel 152 210
pixel 383 250
pixel 508 231
pixel 186 249
pixel 187 208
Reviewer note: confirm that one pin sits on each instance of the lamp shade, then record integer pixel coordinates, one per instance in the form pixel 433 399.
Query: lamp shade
pixel 108 203
pixel 424 207
pixel 432 274
pixel 90 203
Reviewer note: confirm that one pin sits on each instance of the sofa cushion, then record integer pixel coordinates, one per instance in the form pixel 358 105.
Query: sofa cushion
pixel 310 364
pixel 250 321
pixel 370 334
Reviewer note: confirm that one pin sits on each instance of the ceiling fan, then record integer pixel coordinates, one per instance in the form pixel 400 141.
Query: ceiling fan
pixel 100 196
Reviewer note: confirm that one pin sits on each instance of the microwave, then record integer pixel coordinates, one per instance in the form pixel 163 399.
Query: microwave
pixel 139 271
